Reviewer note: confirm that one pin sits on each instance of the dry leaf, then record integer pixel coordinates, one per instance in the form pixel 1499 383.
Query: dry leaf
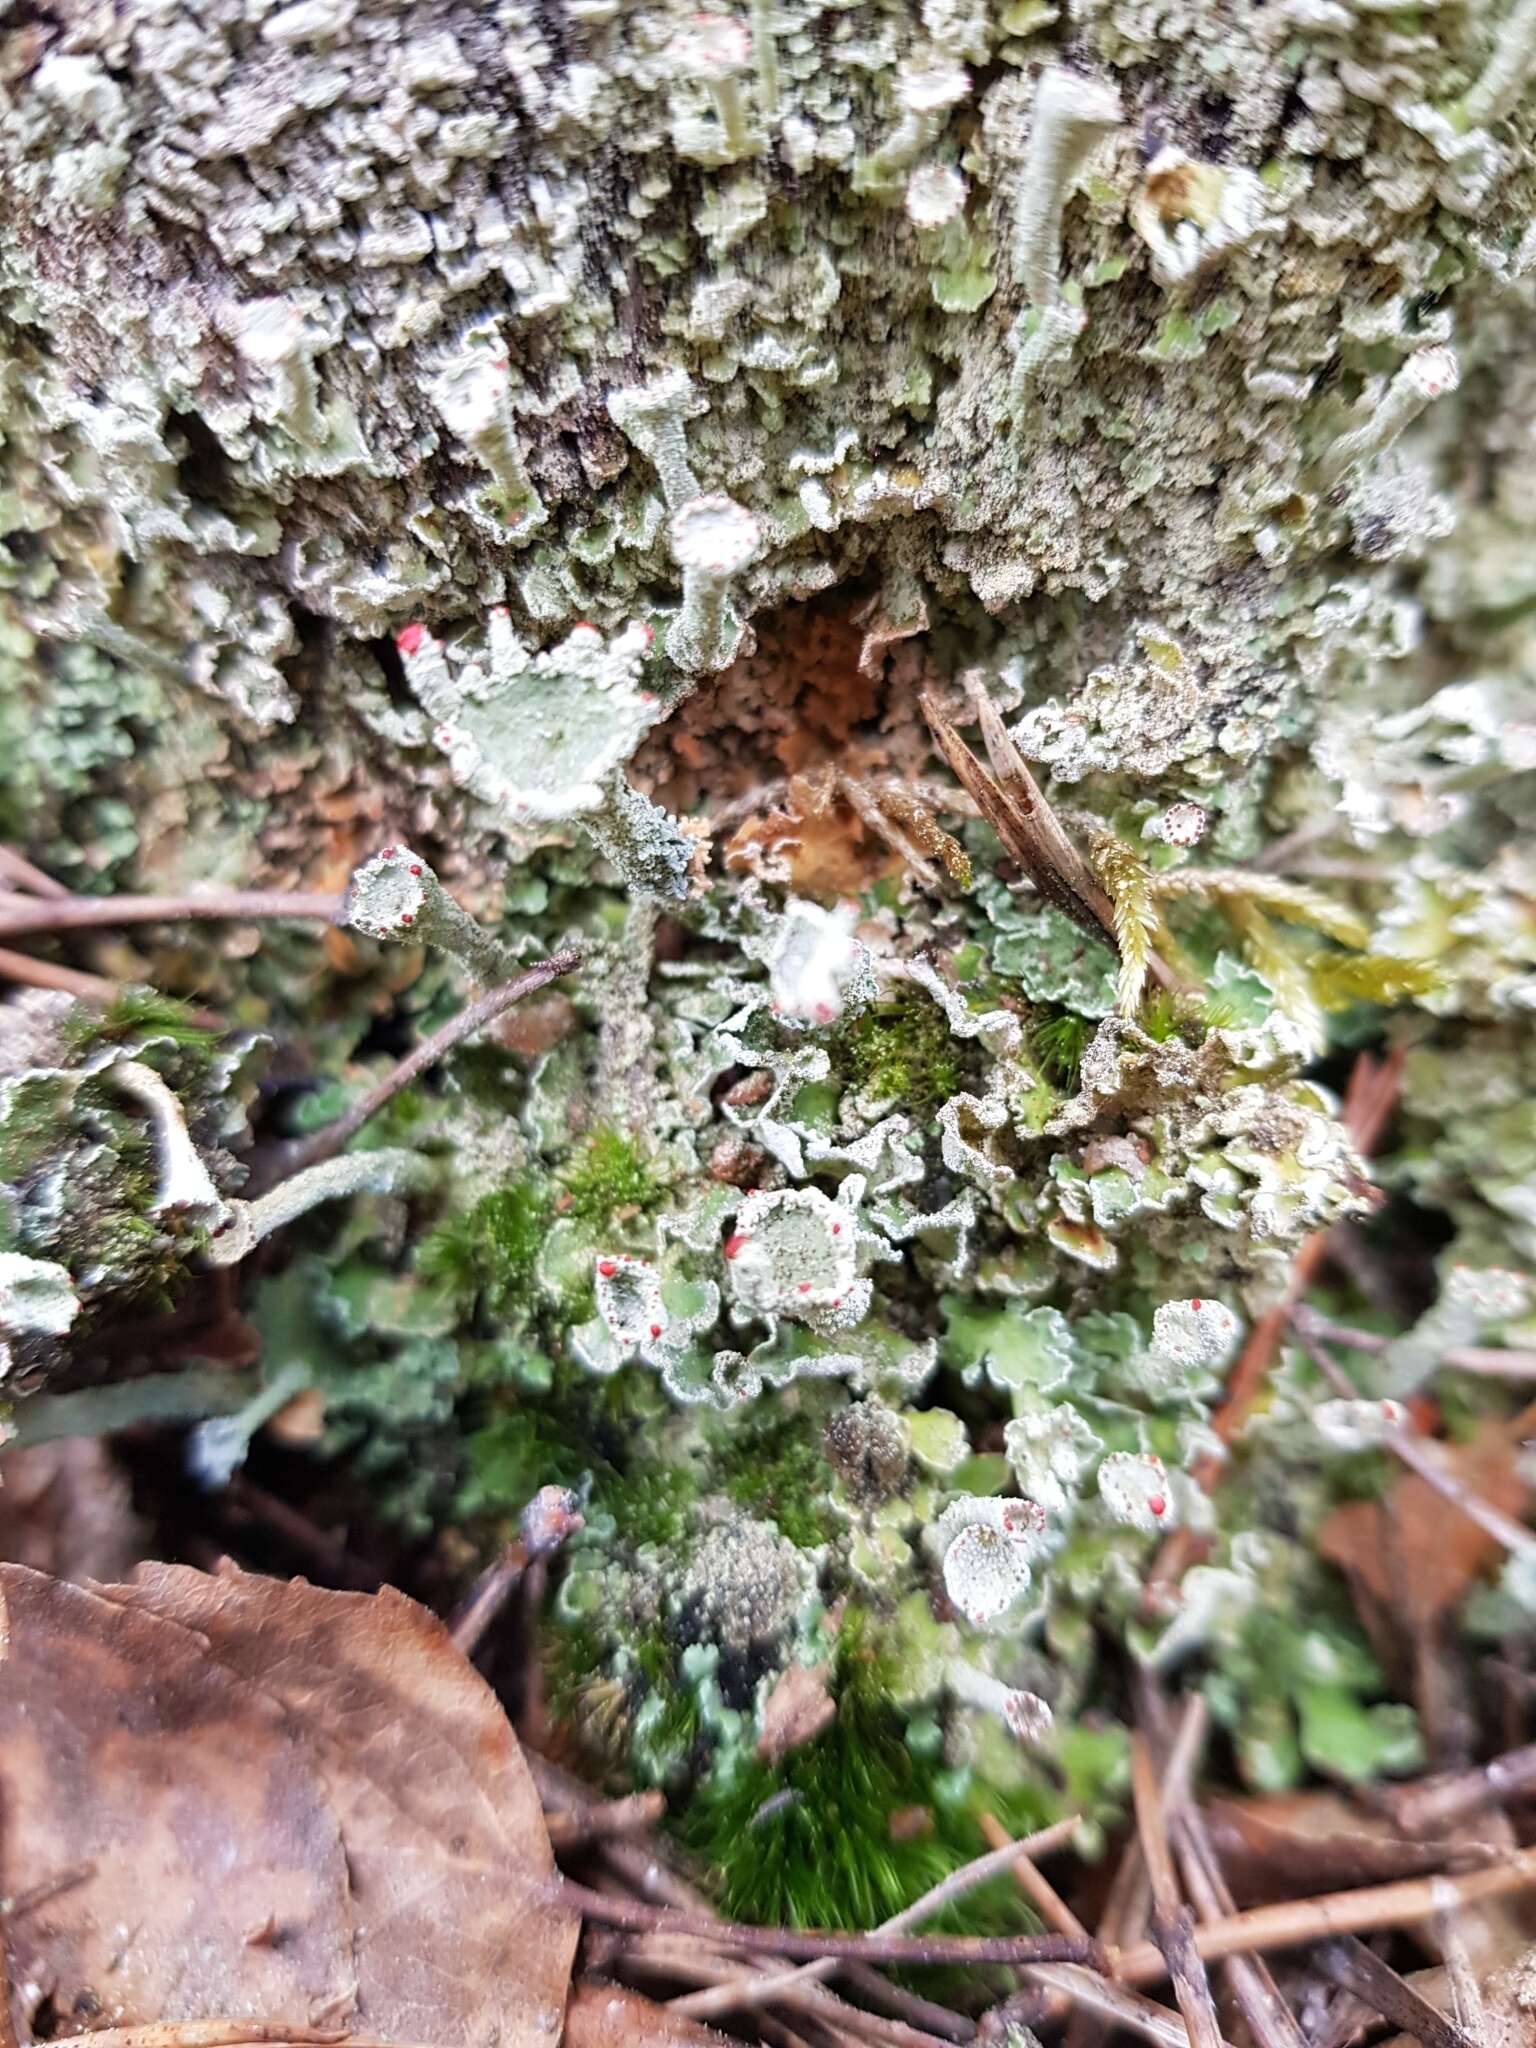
pixel 1289 1844
pixel 66 1508
pixel 1413 1552
pixel 288 1804
pixel 605 2016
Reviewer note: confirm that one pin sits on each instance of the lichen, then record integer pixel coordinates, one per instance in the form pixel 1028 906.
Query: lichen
pixel 565 458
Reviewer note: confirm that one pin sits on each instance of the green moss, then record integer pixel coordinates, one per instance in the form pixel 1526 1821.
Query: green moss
pixel 609 1174
pixel 653 1507
pixel 824 1855
pixel 901 1052
pixel 1059 1043
pixel 492 1253
pixel 136 1013
pixel 777 1471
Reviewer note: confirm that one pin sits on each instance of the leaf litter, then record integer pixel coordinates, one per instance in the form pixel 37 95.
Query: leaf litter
pixel 284 1804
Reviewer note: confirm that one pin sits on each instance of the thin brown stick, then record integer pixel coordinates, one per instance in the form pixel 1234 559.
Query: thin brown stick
pixel 16 869
pixel 1012 804
pixel 810 1945
pixel 1493 1363
pixel 1348 1963
pixel 90 913
pixel 486 1598
pixel 1297 1921
pixel 1415 1453
pixel 1420 1809
pixel 1172 1922
pixel 1253 1989
pixel 905 2005
pixel 30 972
pixel 755 1990
pixel 1035 1885
pixel 886 829
pixel 70 981
pixel 665 1959
pixel 1487 1359
pixel 342 1566
pixel 324 1144
pixel 634 1863
pixel 629 1816
pixel 1108 2000
pixel 1418 1457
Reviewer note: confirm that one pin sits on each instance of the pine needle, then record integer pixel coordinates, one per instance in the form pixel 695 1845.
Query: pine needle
pixel 1128 884
pixel 1291 902
pixel 1281 968
pixel 1342 978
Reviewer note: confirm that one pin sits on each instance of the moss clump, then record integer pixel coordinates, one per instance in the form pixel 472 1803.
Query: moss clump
pixel 609 1176
pixel 136 1013
pixel 778 1471
pixel 811 1843
pixel 1059 1042
pixel 492 1253
pixel 901 1052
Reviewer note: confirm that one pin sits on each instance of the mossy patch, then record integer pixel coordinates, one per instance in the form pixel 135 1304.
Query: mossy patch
pixel 609 1176
pixel 901 1052
pixel 492 1252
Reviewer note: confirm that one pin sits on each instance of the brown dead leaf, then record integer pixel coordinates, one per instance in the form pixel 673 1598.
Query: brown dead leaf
pixel 66 1508
pixel 606 2016
pixel 796 1711
pixel 1288 1844
pixel 1414 1553
pixel 290 1804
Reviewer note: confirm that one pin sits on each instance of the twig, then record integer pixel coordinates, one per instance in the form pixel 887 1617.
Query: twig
pixel 548 1518
pixel 16 869
pixel 324 1144
pixel 609 1817
pixel 1112 2001
pixel 1253 1989
pixel 753 1991
pixel 1352 1966
pixel 668 1959
pixel 1416 1455
pixel 70 981
pixel 1495 1364
pixel 634 1863
pixel 1036 1887
pixel 486 1598
pixel 810 1945
pixel 905 2005
pixel 302 1534
pixel 1417 1809
pixel 1172 1922
pixel 74 981
pixel 1468 2007
pixel 1298 1921
pixel 1479 1358
pixel 87 913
